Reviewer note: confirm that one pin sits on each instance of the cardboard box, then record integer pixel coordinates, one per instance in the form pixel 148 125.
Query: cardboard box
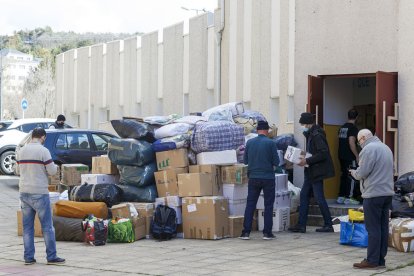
pixel 281 182
pixel 140 227
pixel 124 210
pixel 236 174
pixel 102 165
pixel 401 234
pixel 172 159
pixel 236 226
pixel 99 179
pixel 174 201
pixel 294 155
pixel 235 191
pixel 52 188
pixel 281 219
pixel 167 181
pixel 71 173
pixel 205 218
pixel 195 184
pixel 144 209
pixel 179 214
pixel 294 218
pixel 282 200
pixel 225 157
pixel 148 221
pixel 237 207
pixel 55 179
pixel 215 176
pixel 37 225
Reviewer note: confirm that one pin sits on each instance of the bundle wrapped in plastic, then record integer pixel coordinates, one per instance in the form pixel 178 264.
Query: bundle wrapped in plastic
pixel 224 112
pixel 137 176
pixel 217 136
pixel 128 128
pixel 285 140
pixel 130 152
pixel 110 194
pixel 405 183
pixel 400 208
pixel 161 120
pixel 67 229
pixel 171 143
pixel 172 130
pixel 135 194
pixel 121 230
pixel 248 120
pixel 191 119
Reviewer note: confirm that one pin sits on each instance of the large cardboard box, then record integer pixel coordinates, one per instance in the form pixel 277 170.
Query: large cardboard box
pixel 139 227
pixel 214 171
pixel 124 210
pixel 102 165
pixel 172 159
pixel 294 155
pixel 37 225
pixel 236 226
pixel 55 179
pixel 236 174
pixel 225 157
pixel 144 209
pixel 294 218
pixel 205 218
pixel 99 179
pixel 71 173
pixel 235 191
pixel 281 219
pixel 401 234
pixel 195 184
pixel 282 200
pixel 167 181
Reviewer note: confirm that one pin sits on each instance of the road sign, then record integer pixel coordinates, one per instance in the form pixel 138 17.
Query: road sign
pixel 24 104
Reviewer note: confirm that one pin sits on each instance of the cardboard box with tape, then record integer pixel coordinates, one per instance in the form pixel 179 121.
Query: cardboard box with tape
pixel 167 181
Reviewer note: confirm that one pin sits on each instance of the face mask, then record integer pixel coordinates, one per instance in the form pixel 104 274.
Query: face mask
pixel 304 129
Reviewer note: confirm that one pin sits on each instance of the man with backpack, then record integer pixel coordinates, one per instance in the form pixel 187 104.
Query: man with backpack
pixel 34 164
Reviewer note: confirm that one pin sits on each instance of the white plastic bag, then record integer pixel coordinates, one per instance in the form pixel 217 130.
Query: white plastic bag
pixel 172 130
pixel 192 120
pixel 224 112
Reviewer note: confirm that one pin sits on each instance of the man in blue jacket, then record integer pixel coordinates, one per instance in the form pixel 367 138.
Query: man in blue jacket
pixel 376 175
pixel 261 157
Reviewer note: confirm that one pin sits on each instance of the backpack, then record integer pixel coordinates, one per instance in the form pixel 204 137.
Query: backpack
pixel 164 226
pixel 96 230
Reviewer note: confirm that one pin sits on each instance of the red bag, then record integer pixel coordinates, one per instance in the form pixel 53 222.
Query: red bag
pixel 96 230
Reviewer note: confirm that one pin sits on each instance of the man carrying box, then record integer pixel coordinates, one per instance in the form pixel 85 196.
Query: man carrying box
pixel 261 157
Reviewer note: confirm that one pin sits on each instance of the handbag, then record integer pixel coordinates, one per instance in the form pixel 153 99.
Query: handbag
pixel 353 234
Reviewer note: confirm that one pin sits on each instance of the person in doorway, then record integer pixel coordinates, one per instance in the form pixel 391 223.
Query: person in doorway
pixel 59 123
pixel 318 167
pixel 376 173
pixel 34 164
pixel 348 158
pixel 261 157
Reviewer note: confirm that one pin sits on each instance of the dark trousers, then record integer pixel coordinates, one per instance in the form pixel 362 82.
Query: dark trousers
pixel 255 188
pixel 376 214
pixel 349 187
pixel 305 193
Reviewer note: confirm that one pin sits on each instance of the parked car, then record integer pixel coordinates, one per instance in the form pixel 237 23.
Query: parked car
pixel 5 125
pixel 10 137
pixel 73 146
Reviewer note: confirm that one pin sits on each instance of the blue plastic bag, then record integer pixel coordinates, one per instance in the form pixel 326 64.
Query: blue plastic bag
pixel 353 234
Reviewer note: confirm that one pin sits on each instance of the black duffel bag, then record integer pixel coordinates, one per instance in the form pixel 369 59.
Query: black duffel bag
pixel 108 193
pixel 137 176
pixel 130 152
pixel 68 229
pixel 128 128
pixel 135 194
pixel 405 183
pixel 401 208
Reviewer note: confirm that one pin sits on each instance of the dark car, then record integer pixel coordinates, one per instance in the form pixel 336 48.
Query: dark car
pixel 73 146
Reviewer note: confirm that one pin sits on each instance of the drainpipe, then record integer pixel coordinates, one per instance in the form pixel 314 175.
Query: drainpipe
pixel 219 35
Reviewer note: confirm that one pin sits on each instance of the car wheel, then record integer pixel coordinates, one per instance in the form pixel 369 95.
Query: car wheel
pixel 7 161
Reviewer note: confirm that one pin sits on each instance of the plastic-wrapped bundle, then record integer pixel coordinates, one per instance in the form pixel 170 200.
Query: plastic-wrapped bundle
pixel 248 120
pixel 217 136
pixel 130 152
pixel 138 176
pixel 135 194
pixel 161 120
pixel 171 143
pixel 173 130
pixel 110 194
pixel 191 119
pixel 401 209
pixel 405 183
pixel 128 128
pixel 68 229
pixel 285 140
pixel 224 112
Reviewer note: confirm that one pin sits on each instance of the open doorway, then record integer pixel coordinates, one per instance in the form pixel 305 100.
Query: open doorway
pixel 330 97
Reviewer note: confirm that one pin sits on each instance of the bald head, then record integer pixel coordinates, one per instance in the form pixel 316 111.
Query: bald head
pixel 363 135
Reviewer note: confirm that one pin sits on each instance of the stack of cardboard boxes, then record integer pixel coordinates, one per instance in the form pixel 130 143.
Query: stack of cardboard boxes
pixel 55 180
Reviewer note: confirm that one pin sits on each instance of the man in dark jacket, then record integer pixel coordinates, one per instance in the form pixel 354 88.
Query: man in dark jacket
pixel 318 167
pixel 261 156
pixel 60 122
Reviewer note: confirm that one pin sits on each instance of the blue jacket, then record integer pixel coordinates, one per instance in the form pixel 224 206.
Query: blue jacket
pixel 261 157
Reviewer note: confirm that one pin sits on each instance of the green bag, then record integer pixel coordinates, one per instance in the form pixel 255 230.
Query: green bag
pixel 121 230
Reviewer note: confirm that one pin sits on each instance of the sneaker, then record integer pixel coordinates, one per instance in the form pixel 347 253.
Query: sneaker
pixel 30 262
pixel 269 236
pixel 245 236
pixel 351 201
pixel 365 265
pixel 56 261
pixel 340 200
pixel 325 229
pixel 297 229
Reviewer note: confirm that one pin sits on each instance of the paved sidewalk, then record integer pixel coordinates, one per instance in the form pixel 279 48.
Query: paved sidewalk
pixel 290 254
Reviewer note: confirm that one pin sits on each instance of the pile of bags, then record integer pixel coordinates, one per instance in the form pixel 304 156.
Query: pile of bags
pixel 403 201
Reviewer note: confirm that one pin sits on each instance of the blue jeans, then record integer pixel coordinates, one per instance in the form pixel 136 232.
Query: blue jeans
pixel 255 188
pixel 305 193
pixel 40 204
pixel 376 213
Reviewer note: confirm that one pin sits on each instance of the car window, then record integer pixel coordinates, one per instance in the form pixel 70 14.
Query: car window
pixel 101 141
pixel 61 142
pixel 29 127
pixel 73 141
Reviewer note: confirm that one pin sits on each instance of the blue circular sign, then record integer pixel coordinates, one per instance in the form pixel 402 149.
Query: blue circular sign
pixel 25 104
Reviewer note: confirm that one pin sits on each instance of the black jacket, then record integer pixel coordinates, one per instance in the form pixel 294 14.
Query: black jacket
pixel 320 163
pixel 56 126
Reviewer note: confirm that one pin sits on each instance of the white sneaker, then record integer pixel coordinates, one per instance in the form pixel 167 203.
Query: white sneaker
pixel 351 201
pixel 340 200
